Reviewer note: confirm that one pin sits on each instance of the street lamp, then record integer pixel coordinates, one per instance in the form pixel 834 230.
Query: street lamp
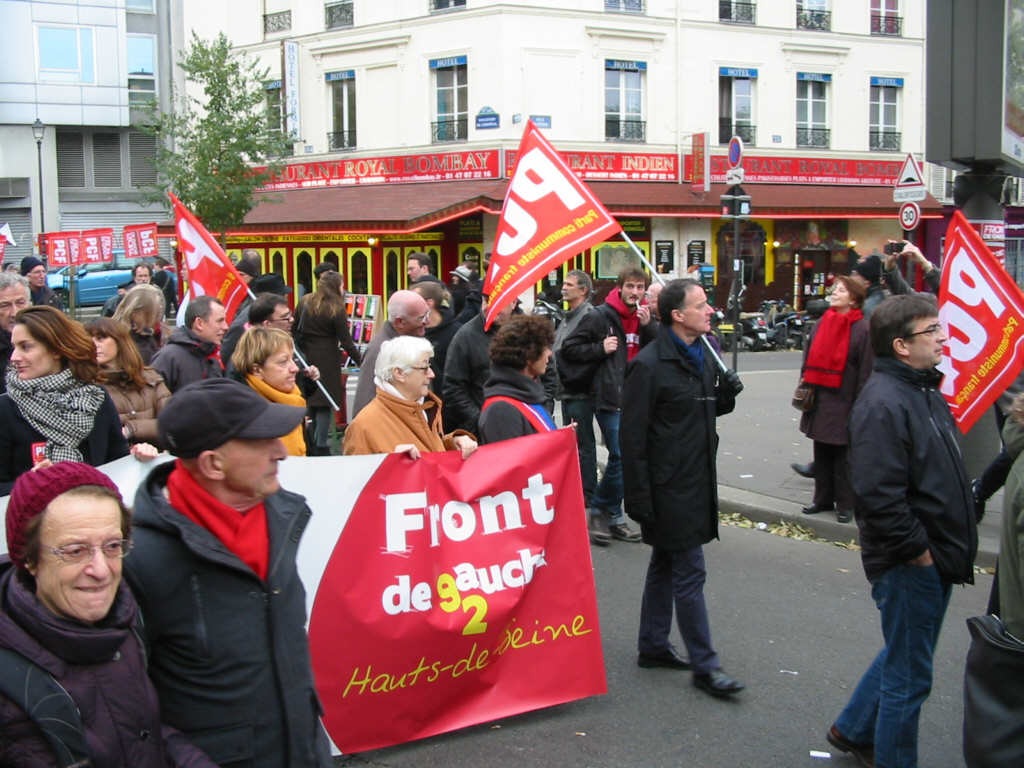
pixel 38 131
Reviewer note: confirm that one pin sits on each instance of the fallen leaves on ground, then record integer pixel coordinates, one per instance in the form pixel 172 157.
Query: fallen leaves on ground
pixel 787 529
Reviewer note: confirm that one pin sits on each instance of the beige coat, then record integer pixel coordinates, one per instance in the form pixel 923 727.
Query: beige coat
pixel 138 408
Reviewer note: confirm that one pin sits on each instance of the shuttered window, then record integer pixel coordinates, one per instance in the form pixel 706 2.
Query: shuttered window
pixel 106 160
pixel 141 150
pixel 70 160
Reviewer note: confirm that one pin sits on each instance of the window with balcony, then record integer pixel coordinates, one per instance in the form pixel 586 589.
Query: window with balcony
pixel 813 14
pixel 736 105
pixel 812 110
pixel 446 5
pixel 343 97
pixel 624 6
pixel 339 15
pixel 451 92
pixel 885 18
pixel 66 54
pixel 277 22
pixel 623 101
pixel 884 133
pixel 736 12
pixel 141 69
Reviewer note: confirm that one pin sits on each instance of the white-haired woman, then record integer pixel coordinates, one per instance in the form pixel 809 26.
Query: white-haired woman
pixel 405 416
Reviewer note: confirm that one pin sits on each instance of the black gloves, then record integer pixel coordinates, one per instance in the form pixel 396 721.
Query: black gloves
pixel 730 383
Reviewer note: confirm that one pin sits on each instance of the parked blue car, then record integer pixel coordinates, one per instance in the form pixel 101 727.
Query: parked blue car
pixel 94 283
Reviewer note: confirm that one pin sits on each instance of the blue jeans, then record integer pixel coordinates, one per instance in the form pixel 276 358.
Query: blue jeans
pixel 608 496
pixel 677 579
pixel 886 706
pixel 581 412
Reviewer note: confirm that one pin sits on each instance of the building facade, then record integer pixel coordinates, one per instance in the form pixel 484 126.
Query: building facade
pixel 406 116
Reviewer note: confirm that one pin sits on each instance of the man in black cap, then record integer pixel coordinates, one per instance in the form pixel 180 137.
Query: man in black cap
pixel 215 577
pixel 42 294
pixel 868 272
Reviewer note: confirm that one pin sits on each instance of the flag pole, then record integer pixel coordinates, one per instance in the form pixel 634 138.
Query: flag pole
pixel 707 344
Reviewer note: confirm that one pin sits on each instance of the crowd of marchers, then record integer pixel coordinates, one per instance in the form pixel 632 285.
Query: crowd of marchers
pixel 199 657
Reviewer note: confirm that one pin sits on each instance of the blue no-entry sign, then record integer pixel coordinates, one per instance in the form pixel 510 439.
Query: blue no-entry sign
pixel 735 151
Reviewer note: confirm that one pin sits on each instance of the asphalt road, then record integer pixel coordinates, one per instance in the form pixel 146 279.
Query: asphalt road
pixel 793 619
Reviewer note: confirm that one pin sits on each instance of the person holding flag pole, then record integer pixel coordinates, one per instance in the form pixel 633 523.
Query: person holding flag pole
pixel 210 272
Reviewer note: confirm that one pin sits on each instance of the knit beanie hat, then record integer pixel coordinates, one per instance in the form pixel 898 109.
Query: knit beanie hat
pixel 33 492
pixel 29 263
pixel 870 268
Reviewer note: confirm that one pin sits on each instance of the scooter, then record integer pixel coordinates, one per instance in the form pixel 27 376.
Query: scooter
pixel 547 309
pixel 754 330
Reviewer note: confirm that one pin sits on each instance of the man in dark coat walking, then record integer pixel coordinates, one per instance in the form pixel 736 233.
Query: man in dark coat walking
pixel 672 394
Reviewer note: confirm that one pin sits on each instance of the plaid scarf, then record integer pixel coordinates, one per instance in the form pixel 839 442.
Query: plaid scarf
pixel 60 407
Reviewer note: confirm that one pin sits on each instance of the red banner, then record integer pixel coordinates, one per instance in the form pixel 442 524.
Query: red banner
pixel 140 241
pixel 441 166
pixel 805 170
pixel 612 166
pixel 210 271
pixel 548 217
pixel 97 246
pixel 458 592
pixel 63 249
pixel 700 162
pixel 982 310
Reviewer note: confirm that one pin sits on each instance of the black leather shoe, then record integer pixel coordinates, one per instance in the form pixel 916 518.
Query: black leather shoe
pixel 804 470
pixel 669 658
pixel 863 752
pixel 718 683
pixel 844 516
pixel 813 509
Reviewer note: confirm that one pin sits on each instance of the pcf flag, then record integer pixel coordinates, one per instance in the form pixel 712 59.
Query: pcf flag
pixel 548 217
pixel 97 246
pixel 210 272
pixel 982 311
pixel 63 249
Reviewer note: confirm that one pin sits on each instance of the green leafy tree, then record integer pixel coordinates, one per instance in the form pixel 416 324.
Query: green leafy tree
pixel 208 145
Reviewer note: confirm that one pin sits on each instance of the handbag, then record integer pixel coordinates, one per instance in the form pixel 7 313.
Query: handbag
pixel 993 703
pixel 803 397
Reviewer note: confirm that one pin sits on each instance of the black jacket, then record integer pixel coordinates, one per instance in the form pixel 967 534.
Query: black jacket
pixel 473 304
pixel 185 359
pixel 228 652
pixel 466 370
pixel 913 491
pixel 502 421
pixel 668 443
pixel 441 336
pixel 46 297
pixel 586 344
pixel 104 444
pixel 6 348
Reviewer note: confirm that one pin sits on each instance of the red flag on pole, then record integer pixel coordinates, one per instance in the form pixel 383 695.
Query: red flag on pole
pixel 982 310
pixel 210 271
pixel 548 217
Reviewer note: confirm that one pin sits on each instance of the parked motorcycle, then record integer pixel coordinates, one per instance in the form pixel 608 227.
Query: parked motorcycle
pixel 547 309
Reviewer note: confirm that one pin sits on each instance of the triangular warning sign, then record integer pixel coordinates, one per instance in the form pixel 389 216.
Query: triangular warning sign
pixel 910 174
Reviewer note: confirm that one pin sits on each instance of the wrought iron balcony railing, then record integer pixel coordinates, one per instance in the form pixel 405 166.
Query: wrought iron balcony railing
pixel 339 15
pixel 340 141
pixel 277 22
pixel 884 141
pixel 813 137
pixel 819 20
pixel 624 6
pixel 449 130
pixel 727 130
pixel 446 5
pixel 624 130
pixel 739 13
pixel 886 25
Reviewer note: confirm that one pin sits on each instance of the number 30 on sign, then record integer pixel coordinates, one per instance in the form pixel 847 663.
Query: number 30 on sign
pixel 910 215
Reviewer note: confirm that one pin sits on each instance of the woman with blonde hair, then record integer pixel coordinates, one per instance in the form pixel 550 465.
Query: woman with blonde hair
pixel 142 313
pixel 265 356
pixel 138 392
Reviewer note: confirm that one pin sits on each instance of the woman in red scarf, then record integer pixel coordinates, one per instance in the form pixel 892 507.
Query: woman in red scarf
pixel 837 362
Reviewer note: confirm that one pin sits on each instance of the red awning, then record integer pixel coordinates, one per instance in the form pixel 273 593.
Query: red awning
pixel 414 207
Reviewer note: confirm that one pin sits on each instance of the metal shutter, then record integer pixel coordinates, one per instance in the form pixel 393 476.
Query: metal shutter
pixel 106 160
pixel 70 160
pixel 141 150
pixel 20 220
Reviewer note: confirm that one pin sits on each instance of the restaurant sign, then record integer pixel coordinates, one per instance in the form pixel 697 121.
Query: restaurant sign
pixel 805 170
pixel 442 166
pixel 613 166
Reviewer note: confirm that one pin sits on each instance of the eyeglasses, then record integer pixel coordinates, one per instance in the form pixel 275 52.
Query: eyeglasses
pixel 77 554
pixel 283 319
pixel 931 330
pixel 420 368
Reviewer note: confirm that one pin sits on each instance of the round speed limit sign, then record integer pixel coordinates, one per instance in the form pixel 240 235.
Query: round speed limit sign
pixel 910 215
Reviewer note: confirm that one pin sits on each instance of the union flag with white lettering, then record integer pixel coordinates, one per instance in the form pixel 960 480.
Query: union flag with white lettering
pixel 982 310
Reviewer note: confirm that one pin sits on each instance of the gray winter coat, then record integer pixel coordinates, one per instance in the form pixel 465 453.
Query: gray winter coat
pixel 229 654
pixel 186 359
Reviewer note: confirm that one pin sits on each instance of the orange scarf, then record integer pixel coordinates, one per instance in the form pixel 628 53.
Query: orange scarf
pixel 244 533
pixel 294 441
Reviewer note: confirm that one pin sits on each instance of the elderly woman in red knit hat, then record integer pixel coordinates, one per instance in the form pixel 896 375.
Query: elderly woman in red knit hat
pixel 66 616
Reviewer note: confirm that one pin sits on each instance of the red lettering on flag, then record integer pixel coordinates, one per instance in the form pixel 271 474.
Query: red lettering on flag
pixel 548 217
pixel 982 310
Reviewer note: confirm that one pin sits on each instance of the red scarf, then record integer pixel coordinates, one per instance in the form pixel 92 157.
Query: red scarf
pixel 630 322
pixel 826 359
pixel 244 533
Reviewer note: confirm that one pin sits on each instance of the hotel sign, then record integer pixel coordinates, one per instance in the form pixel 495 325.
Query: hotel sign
pixel 613 166
pixel 442 166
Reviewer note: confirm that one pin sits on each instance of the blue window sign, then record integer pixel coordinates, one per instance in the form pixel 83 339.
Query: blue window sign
pixel 631 65
pixel 734 72
pixel 451 61
pixel 890 82
pixel 815 76
pixel 345 74
pixel 541 121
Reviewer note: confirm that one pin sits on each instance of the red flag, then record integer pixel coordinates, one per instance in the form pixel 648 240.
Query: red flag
pixel 548 217
pixel 140 241
pixel 97 246
pixel 63 249
pixel 210 272
pixel 982 310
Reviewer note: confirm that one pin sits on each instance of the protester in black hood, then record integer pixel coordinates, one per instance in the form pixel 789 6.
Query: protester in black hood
pixel 513 395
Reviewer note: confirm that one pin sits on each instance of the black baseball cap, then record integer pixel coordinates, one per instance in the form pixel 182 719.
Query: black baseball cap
pixel 206 414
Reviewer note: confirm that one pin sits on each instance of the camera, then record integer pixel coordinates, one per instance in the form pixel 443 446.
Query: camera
pixel 894 247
